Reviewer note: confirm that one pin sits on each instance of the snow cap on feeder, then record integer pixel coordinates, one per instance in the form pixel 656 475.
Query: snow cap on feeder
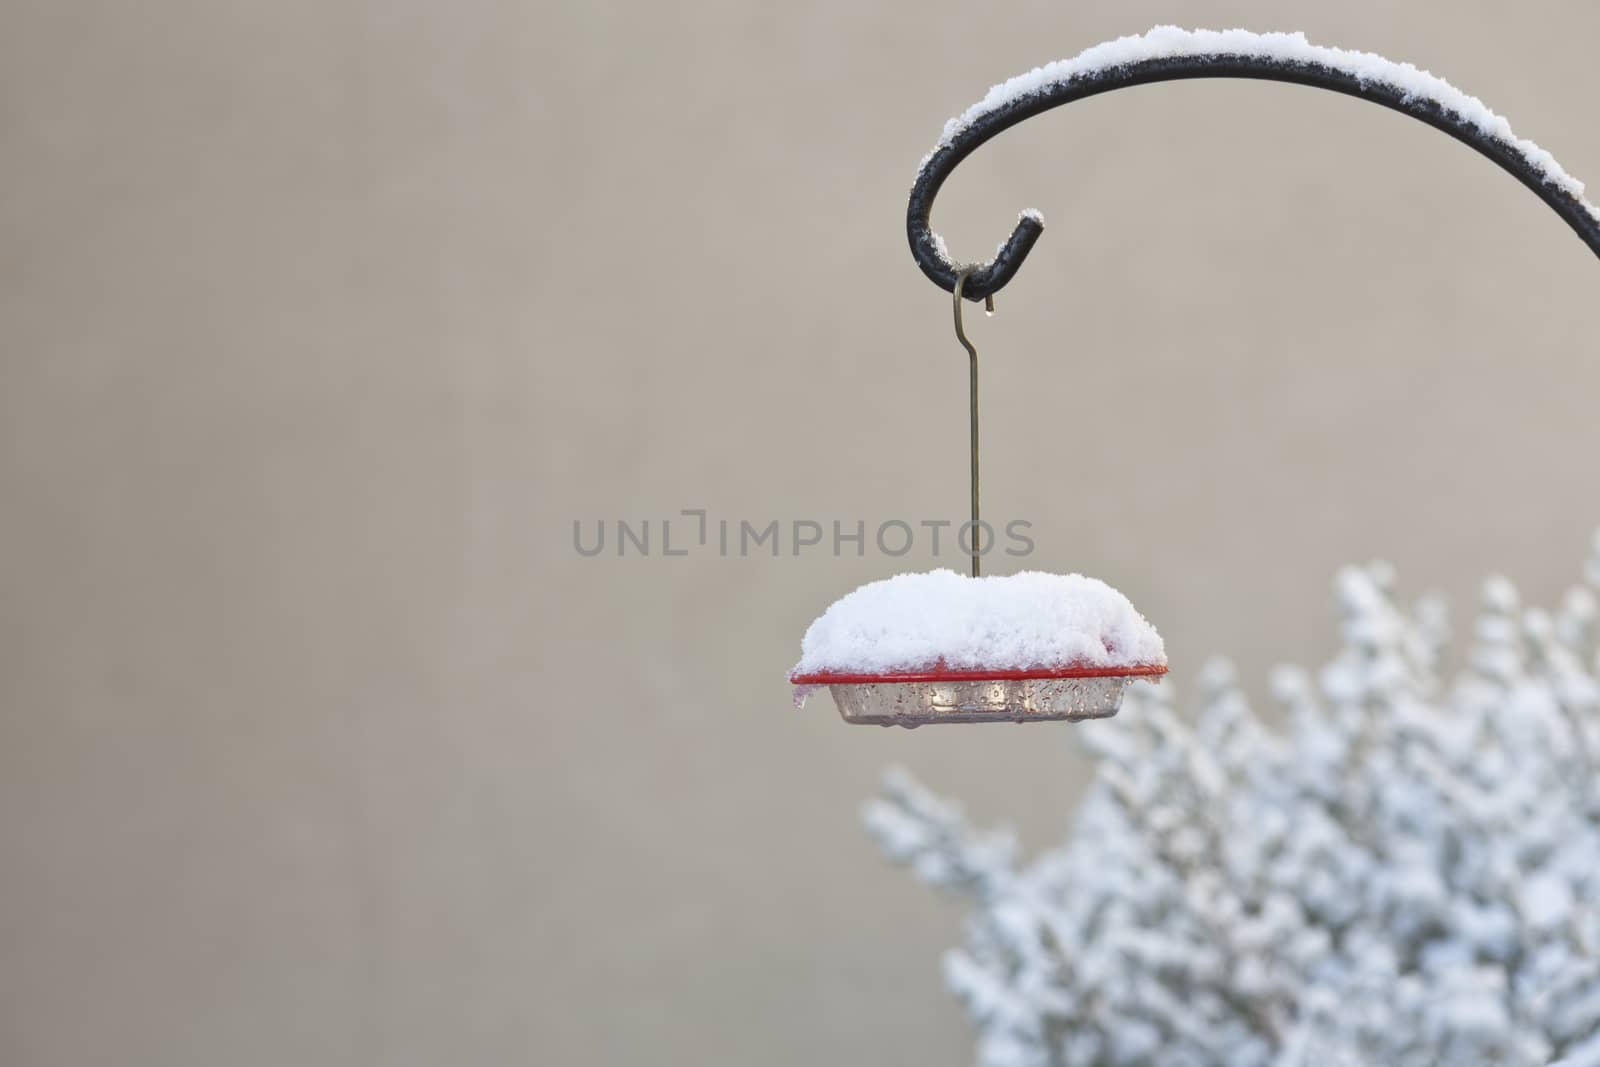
pixel 944 647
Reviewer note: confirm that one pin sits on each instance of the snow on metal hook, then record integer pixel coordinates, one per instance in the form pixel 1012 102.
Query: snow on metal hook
pixel 1167 53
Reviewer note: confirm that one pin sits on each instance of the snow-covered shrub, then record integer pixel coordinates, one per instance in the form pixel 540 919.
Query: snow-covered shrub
pixel 1406 873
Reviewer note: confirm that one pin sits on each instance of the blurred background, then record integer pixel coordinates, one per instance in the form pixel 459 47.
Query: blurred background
pixel 321 324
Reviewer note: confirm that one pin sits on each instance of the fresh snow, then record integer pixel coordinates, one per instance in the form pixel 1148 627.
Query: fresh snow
pixel 1401 867
pixel 1166 42
pixel 1016 622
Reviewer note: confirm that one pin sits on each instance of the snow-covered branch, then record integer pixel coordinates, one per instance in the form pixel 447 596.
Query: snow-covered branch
pixel 1406 873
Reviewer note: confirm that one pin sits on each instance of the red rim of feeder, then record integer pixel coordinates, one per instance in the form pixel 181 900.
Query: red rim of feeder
pixel 977 674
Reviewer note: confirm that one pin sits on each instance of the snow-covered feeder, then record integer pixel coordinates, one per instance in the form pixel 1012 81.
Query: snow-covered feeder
pixel 943 647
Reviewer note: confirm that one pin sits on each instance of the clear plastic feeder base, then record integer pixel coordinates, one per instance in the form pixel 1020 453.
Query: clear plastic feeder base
pixel 912 704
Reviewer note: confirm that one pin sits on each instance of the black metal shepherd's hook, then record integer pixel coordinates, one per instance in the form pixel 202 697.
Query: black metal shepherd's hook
pixel 986 279
pixel 980 281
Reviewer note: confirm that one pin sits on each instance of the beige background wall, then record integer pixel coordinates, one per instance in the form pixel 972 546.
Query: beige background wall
pixel 320 322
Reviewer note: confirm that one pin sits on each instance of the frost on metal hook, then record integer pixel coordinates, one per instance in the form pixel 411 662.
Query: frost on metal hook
pixel 1173 42
pixel 1168 53
pixel 944 647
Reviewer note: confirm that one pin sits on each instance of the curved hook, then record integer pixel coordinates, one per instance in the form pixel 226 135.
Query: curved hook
pixel 1168 54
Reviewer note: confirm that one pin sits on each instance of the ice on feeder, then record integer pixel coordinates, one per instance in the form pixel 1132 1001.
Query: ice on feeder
pixel 1019 621
pixel 943 647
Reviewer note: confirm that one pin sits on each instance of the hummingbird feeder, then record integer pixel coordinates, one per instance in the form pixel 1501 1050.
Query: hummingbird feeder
pixel 943 647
